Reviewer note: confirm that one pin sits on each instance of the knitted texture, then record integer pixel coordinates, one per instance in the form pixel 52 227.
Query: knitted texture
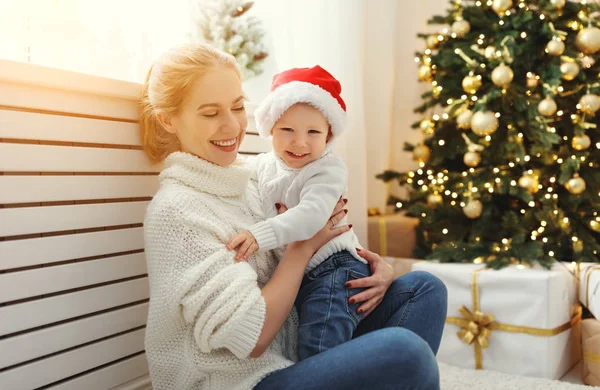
pixel 310 193
pixel 206 311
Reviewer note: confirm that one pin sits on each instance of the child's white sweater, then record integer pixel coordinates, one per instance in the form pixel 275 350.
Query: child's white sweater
pixel 310 193
pixel 206 311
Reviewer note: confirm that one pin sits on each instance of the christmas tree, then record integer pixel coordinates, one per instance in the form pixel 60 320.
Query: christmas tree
pixel 226 25
pixel 508 167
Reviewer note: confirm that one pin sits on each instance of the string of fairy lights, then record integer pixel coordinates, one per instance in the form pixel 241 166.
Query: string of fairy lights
pixel 484 123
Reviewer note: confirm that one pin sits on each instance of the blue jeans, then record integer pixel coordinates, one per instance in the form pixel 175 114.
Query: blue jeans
pixel 326 318
pixel 393 348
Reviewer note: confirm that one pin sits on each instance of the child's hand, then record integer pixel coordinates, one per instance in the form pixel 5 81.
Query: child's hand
pixel 246 244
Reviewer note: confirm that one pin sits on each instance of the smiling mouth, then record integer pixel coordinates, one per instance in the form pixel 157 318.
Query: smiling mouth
pixel 227 145
pixel 297 156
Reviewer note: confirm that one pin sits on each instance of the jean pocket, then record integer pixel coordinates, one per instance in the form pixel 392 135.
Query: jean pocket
pixel 352 308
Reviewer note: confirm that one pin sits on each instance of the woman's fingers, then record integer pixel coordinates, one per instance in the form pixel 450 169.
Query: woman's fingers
pixel 339 206
pixel 337 218
pixel 369 306
pixel 365 295
pixel 368 255
pixel 369 281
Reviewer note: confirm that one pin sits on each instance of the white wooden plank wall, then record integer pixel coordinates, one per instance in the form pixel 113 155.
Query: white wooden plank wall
pixel 74 187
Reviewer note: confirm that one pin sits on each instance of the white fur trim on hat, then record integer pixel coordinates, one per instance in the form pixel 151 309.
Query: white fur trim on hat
pixel 277 102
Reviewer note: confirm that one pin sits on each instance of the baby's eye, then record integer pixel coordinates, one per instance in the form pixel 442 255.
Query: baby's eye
pixel 287 129
pixel 314 132
pixel 239 108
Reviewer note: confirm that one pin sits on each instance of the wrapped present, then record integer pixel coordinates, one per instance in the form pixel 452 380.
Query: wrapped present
pixel 516 320
pixel 589 287
pixel 401 266
pixel 590 329
pixel 392 235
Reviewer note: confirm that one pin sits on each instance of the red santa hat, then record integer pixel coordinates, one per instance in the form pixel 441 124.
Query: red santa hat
pixel 314 86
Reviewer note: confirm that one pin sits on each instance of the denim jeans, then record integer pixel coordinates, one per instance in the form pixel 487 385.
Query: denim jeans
pixel 393 348
pixel 326 318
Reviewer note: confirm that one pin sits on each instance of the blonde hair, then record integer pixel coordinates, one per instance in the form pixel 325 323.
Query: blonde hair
pixel 166 86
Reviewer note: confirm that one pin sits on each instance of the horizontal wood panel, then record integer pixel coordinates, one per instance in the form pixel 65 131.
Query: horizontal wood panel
pixel 31 220
pixel 27 189
pixel 46 341
pixel 27 315
pixel 40 98
pixel 67 80
pixel 36 126
pixel 141 383
pixel 50 158
pixel 25 284
pixel 52 369
pixel 255 144
pixel 108 377
pixel 47 250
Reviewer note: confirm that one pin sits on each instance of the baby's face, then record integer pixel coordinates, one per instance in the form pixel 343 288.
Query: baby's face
pixel 300 135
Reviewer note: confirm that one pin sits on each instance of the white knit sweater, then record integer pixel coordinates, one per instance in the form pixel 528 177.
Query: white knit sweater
pixel 206 311
pixel 310 193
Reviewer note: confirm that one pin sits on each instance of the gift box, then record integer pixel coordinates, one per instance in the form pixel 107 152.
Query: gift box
pixel 392 235
pixel 590 329
pixel 401 266
pixel 589 287
pixel 516 320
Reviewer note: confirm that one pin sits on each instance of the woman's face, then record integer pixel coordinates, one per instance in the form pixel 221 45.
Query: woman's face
pixel 211 122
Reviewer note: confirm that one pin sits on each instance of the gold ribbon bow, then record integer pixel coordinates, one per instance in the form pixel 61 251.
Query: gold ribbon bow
pixel 476 327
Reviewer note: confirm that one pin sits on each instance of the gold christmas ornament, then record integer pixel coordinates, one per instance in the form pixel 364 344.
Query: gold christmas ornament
pixel 434 199
pixel 421 153
pixel 502 76
pixel 589 103
pixel 558 4
pixel 461 28
pixel 432 42
pixel 484 123
pixel 501 6
pixel 547 107
pixel 471 84
pixel 463 120
pixel 532 80
pixel 588 40
pixel 575 185
pixel 425 73
pixel 490 52
pixel 427 126
pixel 555 47
pixel 529 182
pixel 472 159
pixel 473 209
pixel 569 70
pixel 581 142
pixel 587 62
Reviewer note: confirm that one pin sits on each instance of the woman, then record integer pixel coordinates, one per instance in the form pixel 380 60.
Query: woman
pixel 214 323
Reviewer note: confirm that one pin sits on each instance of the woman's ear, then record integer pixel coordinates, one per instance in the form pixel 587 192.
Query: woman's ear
pixel 166 122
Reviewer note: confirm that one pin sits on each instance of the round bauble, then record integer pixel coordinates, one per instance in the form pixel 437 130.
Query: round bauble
pixel 589 103
pixel 461 28
pixel 581 142
pixel 472 159
pixel 421 153
pixel 463 120
pixel 547 107
pixel 575 185
pixel 555 47
pixel 502 76
pixel 473 209
pixel 484 123
pixel 588 40
pixel 569 70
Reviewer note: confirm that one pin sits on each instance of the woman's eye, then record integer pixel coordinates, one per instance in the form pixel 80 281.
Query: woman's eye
pixel 210 114
pixel 242 108
pixel 314 132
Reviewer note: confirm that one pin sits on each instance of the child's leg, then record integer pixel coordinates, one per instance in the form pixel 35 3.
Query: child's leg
pixel 326 317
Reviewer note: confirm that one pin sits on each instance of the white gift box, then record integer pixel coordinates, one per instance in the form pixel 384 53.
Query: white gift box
pixel 589 287
pixel 536 319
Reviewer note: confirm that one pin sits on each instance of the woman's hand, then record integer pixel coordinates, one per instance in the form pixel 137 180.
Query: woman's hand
pixel 328 231
pixel 376 285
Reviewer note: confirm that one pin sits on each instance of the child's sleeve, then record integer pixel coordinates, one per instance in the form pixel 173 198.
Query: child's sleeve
pixel 325 184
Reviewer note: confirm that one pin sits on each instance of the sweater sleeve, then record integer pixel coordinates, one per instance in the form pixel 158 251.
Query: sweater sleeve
pixel 324 185
pixel 217 297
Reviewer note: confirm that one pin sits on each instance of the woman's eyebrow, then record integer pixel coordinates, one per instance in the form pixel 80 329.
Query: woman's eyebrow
pixel 217 104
